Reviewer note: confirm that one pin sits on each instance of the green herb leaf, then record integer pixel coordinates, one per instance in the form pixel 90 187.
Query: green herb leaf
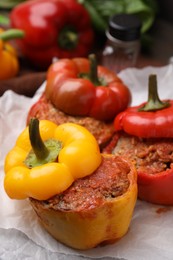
pixel 101 10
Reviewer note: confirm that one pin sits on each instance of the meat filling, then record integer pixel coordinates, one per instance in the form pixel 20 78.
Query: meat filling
pixel 44 109
pixel 149 155
pixel 109 181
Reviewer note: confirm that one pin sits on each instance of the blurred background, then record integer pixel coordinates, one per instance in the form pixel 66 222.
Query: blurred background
pixel 156 36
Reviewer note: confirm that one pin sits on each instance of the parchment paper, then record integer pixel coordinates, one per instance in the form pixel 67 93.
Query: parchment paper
pixel 150 235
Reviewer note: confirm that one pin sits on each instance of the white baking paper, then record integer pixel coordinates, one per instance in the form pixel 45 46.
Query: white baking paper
pixel 150 235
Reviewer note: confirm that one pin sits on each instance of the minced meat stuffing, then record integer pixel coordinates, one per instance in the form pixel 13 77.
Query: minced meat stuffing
pixel 109 181
pixel 44 109
pixel 152 155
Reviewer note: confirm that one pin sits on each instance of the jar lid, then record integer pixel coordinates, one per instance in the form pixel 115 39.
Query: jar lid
pixel 125 27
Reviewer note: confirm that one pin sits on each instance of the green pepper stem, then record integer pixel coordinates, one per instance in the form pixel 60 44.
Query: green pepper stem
pixel 154 103
pixel 42 152
pixel 37 144
pixel 93 70
pixel 11 34
pixel 68 38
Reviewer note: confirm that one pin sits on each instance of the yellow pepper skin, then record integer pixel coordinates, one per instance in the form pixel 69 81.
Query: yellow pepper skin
pixel 79 156
pixel 9 63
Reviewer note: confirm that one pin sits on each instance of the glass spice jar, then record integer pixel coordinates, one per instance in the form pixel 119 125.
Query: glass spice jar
pixel 123 42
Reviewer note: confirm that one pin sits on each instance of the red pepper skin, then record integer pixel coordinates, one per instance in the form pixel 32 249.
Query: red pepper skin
pixel 156 188
pixel 43 22
pixel 66 91
pixel 105 104
pixel 80 96
pixel 123 93
pixel 113 98
pixel 146 124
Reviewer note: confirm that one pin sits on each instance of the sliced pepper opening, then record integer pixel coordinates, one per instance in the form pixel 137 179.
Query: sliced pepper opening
pixel 154 103
pixel 42 151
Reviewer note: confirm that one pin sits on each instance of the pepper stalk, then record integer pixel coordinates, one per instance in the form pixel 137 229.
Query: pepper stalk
pixel 42 152
pixel 92 75
pixel 154 103
pixel 11 34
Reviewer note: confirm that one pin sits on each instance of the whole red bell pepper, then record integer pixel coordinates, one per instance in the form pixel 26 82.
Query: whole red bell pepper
pixel 53 28
pixel 79 87
pixel 150 123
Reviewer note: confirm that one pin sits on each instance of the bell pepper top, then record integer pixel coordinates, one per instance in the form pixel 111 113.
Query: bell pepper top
pixel 48 158
pixel 152 119
pixel 154 103
pixel 80 87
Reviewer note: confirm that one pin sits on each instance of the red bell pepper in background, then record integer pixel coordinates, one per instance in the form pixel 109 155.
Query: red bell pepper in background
pixel 151 121
pixel 53 28
pixel 79 87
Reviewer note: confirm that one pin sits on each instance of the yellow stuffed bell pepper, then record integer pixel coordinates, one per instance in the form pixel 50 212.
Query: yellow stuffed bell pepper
pixel 94 210
pixel 9 63
pixel 82 198
pixel 48 158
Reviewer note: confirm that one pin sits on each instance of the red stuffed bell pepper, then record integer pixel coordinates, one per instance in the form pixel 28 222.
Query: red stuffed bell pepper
pixel 145 135
pixel 72 95
pixel 53 28
pixel 79 87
